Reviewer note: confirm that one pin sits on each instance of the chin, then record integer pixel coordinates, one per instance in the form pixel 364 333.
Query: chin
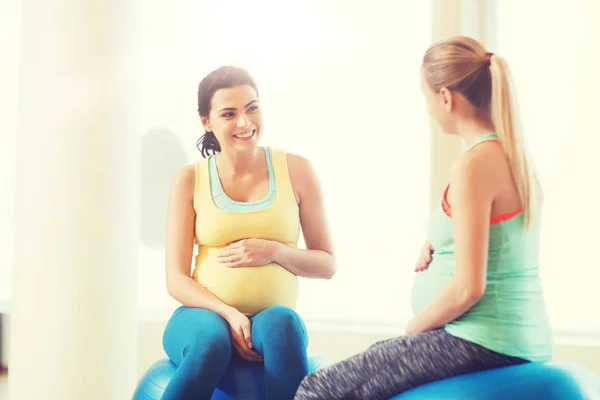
pixel 448 130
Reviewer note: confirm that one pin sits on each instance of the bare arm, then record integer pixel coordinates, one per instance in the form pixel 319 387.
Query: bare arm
pixel 471 201
pixel 180 246
pixel 317 260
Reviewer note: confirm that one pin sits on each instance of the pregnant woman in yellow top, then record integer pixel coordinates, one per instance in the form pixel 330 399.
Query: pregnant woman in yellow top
pixel 243 206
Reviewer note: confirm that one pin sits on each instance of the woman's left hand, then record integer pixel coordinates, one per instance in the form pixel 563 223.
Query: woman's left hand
pixel 248 253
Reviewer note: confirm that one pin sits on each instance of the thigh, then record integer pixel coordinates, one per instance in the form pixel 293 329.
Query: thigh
pixel 395 365
pixel 190 327
pixel 406 362
pixel 278 325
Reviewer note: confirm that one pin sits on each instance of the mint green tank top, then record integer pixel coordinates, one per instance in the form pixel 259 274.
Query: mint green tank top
pixel 224 202
pixel 511 316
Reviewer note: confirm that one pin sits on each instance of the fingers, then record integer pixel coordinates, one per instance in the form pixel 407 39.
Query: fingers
pixel 244 352
pixel 224 253
pixel 234 261
pixel 428 247
pixel 425 259
pixel 242 333
pixel 232 256
pixel 251 355
pixel 247 334
pixel 236 264
pixel 227 259
pixel 254 356
pixel 247 354
pixel 423 263
pixel 229 250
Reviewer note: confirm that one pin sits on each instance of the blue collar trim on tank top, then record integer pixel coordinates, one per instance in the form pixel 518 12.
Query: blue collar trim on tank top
pixel 483 138
pixel 224 202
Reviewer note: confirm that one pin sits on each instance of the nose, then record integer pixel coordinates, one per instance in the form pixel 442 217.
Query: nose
pixel 242 121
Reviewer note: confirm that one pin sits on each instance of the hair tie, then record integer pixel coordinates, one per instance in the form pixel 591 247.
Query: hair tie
pixel 489 58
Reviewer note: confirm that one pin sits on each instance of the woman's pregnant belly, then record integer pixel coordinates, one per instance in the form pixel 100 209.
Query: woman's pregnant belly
pixel 428 284
pixel 248 289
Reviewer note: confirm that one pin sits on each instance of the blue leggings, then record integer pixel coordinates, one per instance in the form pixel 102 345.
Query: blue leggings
pixel 199 342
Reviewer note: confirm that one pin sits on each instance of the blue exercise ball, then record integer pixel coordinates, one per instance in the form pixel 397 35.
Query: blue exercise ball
pixel 557 380
pixel 243 380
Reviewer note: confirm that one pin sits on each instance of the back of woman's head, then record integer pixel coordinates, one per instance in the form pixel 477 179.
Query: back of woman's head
pixel 222 78
pixel 463 65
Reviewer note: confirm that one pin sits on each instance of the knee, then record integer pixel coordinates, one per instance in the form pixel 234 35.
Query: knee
pixel 211 339
pixel 215 347
pixel 283 322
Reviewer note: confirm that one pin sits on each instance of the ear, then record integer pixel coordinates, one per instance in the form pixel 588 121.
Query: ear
pixel 206 124
pixel 447 99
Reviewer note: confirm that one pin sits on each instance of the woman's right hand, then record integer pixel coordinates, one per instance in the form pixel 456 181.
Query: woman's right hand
pixel 241 335
pixel 425 258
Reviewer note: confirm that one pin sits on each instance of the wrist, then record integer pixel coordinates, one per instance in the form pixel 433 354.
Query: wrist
pixel 275 249
pixel 225 311
pixel 412 327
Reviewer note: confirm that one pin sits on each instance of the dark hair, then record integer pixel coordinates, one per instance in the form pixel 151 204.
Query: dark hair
pixel 221 78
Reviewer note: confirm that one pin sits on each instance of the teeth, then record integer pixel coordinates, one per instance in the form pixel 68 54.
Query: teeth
pixel 245 134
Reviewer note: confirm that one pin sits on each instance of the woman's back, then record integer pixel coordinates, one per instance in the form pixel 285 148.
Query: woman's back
pixel 510 317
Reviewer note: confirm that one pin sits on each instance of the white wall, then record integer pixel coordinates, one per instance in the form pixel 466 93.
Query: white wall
pixel 177 56
pixel 9 49
pixel 557 85
pixel 4 331
pixel 448 18
pixel 341 93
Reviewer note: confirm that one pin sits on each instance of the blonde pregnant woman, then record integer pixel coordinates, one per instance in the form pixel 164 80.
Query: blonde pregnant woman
pixel 243 206
pixel 478 301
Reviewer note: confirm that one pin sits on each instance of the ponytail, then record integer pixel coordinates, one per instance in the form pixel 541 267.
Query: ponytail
pixel 208 143
pixel 507 126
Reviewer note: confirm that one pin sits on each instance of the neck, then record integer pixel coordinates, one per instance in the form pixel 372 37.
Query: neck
pixel 470 129
pixel 240 163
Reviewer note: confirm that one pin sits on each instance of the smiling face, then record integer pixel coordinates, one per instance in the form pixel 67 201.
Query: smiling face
pixel 235 118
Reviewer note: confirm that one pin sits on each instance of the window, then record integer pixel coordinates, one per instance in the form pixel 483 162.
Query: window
pixel 557 81
pixel 339 85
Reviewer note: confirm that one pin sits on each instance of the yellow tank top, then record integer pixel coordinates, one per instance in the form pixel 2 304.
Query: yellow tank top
pixel 248 289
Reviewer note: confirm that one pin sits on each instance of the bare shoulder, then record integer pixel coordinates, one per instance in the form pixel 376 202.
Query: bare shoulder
pixel 480 166
pixel 185 175
pixel 302 174
pixel 298 164
pixel 184 181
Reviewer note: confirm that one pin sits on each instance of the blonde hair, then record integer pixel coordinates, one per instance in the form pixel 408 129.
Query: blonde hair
pixel 462 64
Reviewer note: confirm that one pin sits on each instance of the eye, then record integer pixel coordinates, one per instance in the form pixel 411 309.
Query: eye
pixel 227 114
pixel 253 108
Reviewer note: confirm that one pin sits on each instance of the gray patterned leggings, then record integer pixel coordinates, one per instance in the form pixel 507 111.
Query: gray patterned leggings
pixel 395 365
